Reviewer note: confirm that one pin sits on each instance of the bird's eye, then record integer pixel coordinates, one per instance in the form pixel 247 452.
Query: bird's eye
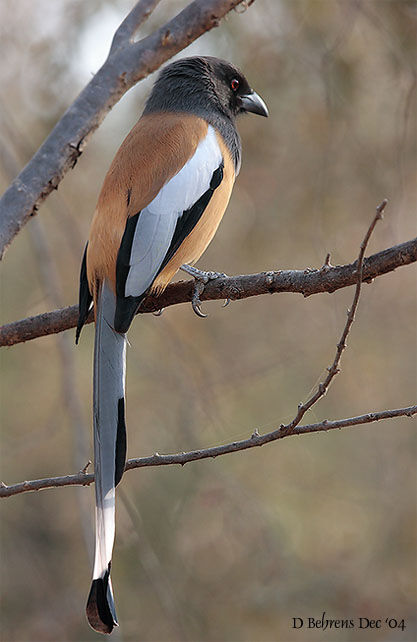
pixel 234 84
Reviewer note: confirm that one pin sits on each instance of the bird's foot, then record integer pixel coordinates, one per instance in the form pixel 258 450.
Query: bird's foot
pixel 201 278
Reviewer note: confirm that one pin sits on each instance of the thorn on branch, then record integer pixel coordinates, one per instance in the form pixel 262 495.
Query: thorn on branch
pixel 334 368
pixel 194 455
pixel 83 471
pixel 76 151
pixel 381 208
pixel 326 265
pixel 236 287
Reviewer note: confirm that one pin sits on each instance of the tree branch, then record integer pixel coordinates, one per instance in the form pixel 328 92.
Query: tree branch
pixel 306 282
pixel 127 63
pixel 334 369
pixel 84 479
pixel 293 428
pixel 127 29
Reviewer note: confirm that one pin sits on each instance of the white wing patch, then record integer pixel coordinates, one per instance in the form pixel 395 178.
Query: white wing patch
pixel 156 223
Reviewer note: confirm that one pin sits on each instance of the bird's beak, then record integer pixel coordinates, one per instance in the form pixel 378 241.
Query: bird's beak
pixel 254 103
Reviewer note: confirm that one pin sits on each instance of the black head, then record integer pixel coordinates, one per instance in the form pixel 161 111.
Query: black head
pixel 203 86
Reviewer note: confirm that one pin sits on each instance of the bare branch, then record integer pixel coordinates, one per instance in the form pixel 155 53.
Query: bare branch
pixel 334 369
pixel 306 282
pixel 293 428
pixel 124 67
pixel 127 29
pixel 83 479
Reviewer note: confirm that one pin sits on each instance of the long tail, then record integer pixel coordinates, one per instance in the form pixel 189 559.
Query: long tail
pixel 109 453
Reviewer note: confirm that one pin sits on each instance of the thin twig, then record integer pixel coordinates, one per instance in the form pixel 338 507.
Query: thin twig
pixel 334 369
pixel 306 282
pixel 82 479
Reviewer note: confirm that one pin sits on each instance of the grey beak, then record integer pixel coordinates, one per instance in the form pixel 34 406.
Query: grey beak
pixel 253 102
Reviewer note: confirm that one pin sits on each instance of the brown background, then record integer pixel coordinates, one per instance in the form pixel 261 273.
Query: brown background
pixel 231 549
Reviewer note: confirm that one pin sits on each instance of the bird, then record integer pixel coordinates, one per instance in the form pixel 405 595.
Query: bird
pixel 160 205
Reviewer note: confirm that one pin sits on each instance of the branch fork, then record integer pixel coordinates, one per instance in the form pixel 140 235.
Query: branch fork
pixel 256 439
pixel 127 63
pixel 232 287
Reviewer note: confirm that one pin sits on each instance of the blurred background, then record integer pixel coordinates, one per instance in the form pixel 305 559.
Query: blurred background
pixel 230 549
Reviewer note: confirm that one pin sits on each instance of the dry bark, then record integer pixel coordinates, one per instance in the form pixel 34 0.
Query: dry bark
pixel 307 282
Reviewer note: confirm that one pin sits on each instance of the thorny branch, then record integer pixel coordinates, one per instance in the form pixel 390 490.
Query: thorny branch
pixel 293 428
pixel 307 282
pixel 84 479
pixel 127 63
pixel 334 368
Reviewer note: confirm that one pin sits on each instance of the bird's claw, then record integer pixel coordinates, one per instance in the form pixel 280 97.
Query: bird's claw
pixel 201 278
pixel 195 301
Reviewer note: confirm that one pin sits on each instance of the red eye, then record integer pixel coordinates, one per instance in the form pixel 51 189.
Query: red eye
pixel 234 84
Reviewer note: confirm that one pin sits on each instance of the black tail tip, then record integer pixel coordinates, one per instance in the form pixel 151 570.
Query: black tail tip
pixel 100 609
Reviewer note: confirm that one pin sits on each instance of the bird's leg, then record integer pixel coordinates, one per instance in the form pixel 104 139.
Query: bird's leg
pixel 201 278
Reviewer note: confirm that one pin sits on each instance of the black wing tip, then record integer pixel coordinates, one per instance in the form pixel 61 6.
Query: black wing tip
pixel 85 297
pixel 77 333
pixel 100 606
pixel 126 308
pixel 82 318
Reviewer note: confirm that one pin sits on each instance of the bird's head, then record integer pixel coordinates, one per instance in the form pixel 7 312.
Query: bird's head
pixel 204 83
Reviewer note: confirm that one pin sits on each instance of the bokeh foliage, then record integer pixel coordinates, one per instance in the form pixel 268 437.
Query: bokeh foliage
pixel 230 549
